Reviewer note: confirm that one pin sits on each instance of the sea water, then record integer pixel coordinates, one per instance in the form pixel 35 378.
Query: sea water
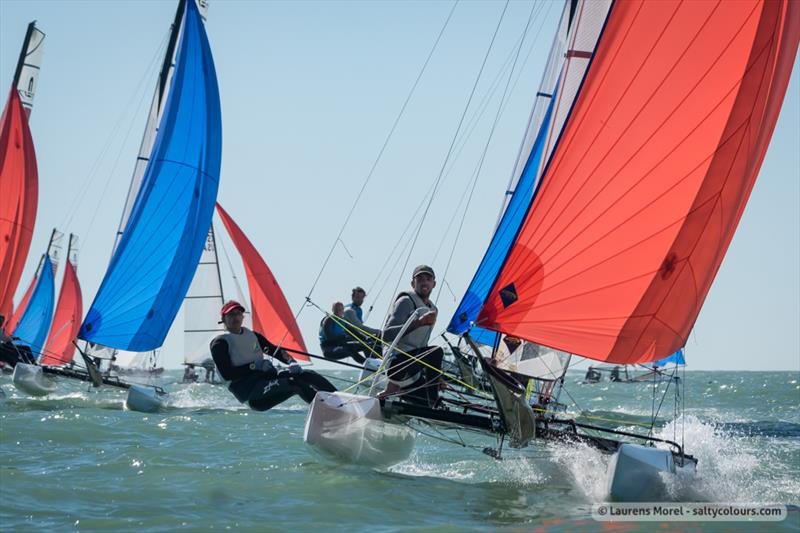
pixel 77 461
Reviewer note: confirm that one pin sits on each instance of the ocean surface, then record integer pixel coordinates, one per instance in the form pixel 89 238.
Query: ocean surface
pixel 77 461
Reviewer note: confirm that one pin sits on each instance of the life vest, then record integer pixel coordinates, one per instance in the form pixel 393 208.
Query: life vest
pixel 243 348
pixel 419 337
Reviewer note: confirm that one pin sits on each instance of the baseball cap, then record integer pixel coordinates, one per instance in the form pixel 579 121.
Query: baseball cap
pixel 423 269
pixel 229 306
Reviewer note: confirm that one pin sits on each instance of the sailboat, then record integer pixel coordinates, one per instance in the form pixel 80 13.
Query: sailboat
pixel 169 206
pixel 621 218
pixel 31 322
pixel 19 182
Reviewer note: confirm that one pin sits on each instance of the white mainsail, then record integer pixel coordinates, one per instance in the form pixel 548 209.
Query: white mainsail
pixel 202 304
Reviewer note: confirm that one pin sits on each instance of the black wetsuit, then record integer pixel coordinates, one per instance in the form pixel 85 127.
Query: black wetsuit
pixel 263 389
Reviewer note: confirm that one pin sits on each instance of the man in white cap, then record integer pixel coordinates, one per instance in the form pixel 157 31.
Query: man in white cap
pixel 414 366
pixel 239 356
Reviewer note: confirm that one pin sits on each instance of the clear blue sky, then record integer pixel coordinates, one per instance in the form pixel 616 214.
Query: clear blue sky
pixel 309 91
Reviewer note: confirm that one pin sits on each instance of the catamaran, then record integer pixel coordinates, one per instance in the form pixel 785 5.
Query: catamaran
pixel 169 207
pixel 650 127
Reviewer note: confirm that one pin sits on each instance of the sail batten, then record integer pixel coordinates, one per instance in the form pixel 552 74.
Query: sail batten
pixel 644 190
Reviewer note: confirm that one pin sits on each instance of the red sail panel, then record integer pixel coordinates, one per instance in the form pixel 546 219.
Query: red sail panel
pixel 12 324
pixel 66 321
pixel 650 177
pixel 272 315
pixel 19 193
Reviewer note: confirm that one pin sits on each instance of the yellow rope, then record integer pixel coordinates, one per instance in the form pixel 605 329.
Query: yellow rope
pixel 341 321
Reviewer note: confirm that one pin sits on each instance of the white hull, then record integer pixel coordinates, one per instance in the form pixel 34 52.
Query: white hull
pixel 145 399
pixel 31 380
pixel 351 428
pixel 639 473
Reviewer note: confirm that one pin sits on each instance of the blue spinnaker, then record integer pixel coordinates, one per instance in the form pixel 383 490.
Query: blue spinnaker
pixel 35 322
pixel 155 260
pixel 467 311
pixel 676 358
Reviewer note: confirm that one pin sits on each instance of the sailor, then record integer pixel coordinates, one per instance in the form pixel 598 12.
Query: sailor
pixel 189 375
pixel 239 356
pixel 354 317
pixel 414 367
pixel 336 343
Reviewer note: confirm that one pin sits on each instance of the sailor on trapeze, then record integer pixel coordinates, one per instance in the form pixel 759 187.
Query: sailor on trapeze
pixel 239 356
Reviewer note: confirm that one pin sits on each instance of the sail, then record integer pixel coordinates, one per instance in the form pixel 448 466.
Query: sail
pixel 532 360
pixel 272 315
pixel 26 77
pixel 59 348
pixel 202 304
pixel 675 359
pixel 19 182
pixel 574 43
pixel 35 322
pixel 19 193
pixel 649 178
pixel 156 257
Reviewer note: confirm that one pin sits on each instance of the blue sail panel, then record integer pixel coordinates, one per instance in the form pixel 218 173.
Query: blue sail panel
pixel 157 255
pixel 676 358
pixel 467 311
pixel 35 322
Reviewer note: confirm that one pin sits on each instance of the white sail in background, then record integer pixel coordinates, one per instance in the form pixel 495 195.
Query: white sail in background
pixel 202 304
pixel 533 360
pixel 26 78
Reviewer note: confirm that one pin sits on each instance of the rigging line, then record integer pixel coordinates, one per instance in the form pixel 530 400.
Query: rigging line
pixel 380 153
pixel 483 155
pixel 114 167
pixel 80 192
pixel 452 143
pixel 470 129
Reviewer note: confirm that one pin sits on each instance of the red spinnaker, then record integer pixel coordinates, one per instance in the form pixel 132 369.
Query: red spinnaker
pixel 19 193
pixel 272 315
pixel 66 321
pixel 644 191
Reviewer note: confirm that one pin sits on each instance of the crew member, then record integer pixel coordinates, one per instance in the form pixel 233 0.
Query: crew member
pixel 414 367
pixel 239 356
pixel 354 317
pixel 336 343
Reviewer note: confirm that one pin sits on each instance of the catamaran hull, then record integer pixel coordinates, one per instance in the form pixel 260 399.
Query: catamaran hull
pixel 639 473
pixel 352 428
pixel 31 380
pixel 144 399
